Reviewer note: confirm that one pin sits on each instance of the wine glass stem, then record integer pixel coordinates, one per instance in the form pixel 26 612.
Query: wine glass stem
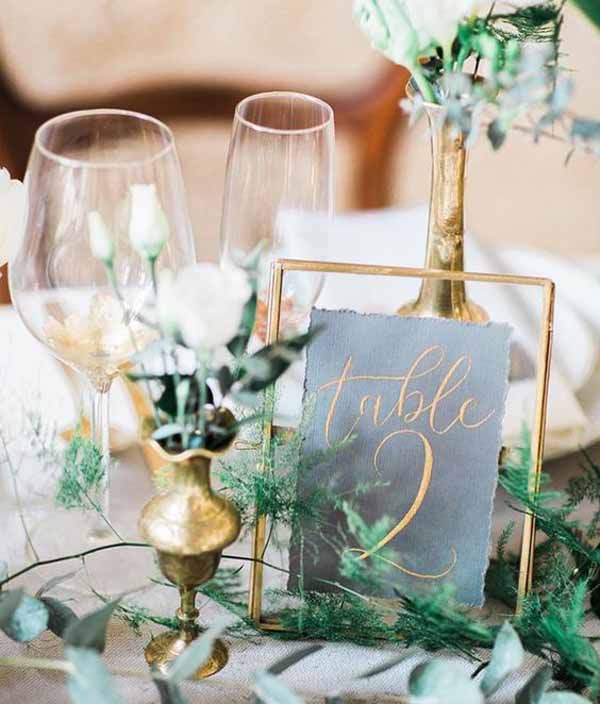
pixel 101 439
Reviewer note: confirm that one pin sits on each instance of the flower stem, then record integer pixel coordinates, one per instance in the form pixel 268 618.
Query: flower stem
pixel 64 558
pixel 423 84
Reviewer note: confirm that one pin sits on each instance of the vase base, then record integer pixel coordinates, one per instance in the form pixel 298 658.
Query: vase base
pixel 467 311
pixel 161 651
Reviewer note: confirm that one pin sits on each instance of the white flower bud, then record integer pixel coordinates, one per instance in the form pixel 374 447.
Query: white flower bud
pixel 101 241
pixel 12 215
pixel 148 226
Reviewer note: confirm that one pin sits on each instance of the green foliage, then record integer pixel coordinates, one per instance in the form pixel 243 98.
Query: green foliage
pixel 290 660
pixel 136 616
pixel 22 617
pixel 336 616
pixel 501 577
pixel 82 473
pixel 551 508
pixel 507 657
pixel 89 682
pixel 537 23
pixel 443 682
pixel 263 368
pixel 90 630
pixel 238 345
pixel 168 691
pixel 271 690
pixel 434 621
pixel 374 572
pixel 194 656
pixel 553 630
pixel 269 486
pixel 60 616
pixel 586 487
pixel 535 688
pixel 591 8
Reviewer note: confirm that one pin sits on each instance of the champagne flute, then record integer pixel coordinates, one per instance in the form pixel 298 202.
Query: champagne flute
pixel 279 191
pixel 90 314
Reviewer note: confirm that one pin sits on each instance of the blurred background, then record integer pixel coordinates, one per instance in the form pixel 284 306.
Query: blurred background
pixel 188 62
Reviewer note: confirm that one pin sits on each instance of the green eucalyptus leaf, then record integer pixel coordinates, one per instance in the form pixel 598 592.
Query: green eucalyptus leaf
pixel 22 617
pixel 563 698
pixel 535 688
pixel 259 367
pixel 496 134
pixel 289 660
pixel 244 398
pixel 591 9
pixel 143 376
pixel 443 682
pixel 169 692
pixel 54 582
pixel 278 356
pixel 182 394
pixel 238 345
pixel 167 431
pixel 225 379
pixel 271 690
pixel 195 655
pixel 9 602
pixel 90 682
pixel 90 630
pixel 384 667
pixel 167 401
pixel 60 616
pixel 507 656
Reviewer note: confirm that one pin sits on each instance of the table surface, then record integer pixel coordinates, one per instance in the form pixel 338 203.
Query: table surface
pixel 332 671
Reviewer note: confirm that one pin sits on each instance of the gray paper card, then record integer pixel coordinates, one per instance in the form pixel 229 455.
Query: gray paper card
pixel 424 399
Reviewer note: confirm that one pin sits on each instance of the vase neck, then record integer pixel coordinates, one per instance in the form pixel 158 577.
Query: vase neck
pixel 193 474
pixel 445 237
pixel 446 209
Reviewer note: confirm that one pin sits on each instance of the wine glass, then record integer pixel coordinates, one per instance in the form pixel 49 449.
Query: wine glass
pixel 90 315
pixel 279 192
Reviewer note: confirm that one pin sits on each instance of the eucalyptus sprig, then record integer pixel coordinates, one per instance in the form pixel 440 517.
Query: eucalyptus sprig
pixel 490 66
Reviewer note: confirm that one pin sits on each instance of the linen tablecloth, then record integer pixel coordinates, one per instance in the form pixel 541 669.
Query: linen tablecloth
pixel 333 670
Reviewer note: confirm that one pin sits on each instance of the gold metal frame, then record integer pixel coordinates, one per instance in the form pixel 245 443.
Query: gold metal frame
pixel 278 270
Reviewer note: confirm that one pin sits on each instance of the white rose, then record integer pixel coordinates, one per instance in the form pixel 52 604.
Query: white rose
pixel 12 215
pixel 148 226
pixel 439 20
pixel 405 30
pixel 204 303
pixel 101 241
pixel 388 25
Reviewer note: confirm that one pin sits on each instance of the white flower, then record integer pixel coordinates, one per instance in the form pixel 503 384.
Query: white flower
pixel 203 303
pixel 405 30
pixel 101 241
pixel 12 215
pixel 148 226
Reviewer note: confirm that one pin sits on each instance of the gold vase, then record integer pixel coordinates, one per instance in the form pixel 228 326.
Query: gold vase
pixel 189 526
pixel 441 298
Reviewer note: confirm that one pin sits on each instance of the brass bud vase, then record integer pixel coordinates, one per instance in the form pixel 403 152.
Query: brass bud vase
pixel 189 526
pixel 439 298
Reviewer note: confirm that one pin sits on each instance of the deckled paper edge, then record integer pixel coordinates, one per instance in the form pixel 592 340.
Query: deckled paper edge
pixel 506 356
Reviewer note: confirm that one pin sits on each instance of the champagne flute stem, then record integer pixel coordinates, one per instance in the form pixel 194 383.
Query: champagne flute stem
pixel 100 435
